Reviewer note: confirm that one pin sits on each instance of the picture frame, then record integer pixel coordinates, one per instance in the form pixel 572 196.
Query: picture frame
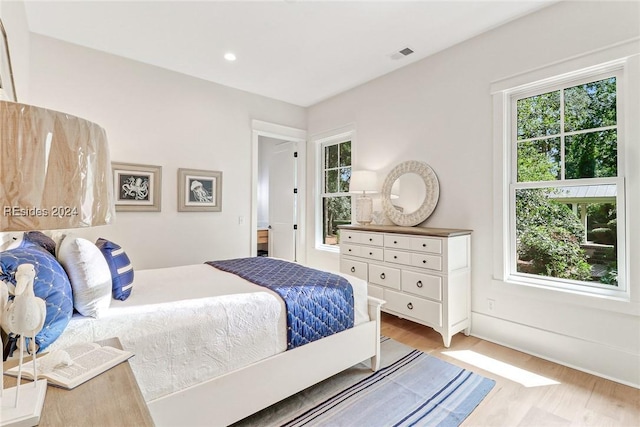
pixel 7 85
pixel 137 187
pixel 199 190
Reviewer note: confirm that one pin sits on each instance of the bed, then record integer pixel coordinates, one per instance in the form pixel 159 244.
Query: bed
pixel 211 348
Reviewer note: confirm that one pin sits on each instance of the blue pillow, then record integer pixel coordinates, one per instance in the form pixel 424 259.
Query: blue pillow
pixel 120 267
pixel 51 284
pixel 38 238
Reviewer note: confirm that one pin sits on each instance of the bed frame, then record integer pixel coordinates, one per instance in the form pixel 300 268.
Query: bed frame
pixel 233 396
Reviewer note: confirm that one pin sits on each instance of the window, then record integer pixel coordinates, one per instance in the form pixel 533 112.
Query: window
pixel 566 188
pixel 335 198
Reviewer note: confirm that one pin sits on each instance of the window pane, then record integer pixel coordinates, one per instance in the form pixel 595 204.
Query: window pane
pixel 345 178
pixel 345 154
pixel 539 160
pixel 591 105
pixel 331 181
pixel 568 233
pixel 335 211
pixel 539 115
pixel 331 156
pixel 591 155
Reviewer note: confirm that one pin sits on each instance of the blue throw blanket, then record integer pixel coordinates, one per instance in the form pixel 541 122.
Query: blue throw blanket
pixel 318 303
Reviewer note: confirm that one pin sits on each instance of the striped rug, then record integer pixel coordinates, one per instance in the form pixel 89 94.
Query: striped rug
pixel 412 389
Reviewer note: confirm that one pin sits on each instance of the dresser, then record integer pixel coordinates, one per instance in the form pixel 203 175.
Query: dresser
pixel 423 274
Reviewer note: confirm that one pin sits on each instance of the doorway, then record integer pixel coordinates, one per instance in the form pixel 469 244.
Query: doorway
pixel 277 216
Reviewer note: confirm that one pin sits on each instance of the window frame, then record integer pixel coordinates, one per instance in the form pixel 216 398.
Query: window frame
pixel 321 141
pixel 621 60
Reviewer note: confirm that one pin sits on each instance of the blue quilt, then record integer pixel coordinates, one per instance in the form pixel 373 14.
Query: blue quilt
pixel 318 303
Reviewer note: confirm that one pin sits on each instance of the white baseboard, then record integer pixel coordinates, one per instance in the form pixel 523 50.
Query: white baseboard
pixel 612 363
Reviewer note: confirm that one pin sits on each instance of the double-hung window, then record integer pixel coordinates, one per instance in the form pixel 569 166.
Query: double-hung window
pixel 335 171
pixel 565 195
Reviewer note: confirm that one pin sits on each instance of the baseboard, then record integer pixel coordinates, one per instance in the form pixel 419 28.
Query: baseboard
pixel 594 358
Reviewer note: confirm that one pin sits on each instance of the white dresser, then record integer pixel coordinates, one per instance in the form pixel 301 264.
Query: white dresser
pixel 423 274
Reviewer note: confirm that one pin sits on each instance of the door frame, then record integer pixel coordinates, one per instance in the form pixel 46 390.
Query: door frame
pixel 285 133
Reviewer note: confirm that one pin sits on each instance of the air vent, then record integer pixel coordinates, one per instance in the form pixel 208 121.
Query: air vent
pixel 401 53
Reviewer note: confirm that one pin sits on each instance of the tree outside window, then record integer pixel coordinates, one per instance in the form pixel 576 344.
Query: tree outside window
pixel 336 201
pixel 565 183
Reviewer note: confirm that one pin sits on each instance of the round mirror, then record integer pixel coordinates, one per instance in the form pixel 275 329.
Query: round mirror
pixel 414 188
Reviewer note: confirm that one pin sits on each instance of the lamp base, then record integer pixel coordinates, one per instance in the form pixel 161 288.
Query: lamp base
pixel 364 209
pixel 30 402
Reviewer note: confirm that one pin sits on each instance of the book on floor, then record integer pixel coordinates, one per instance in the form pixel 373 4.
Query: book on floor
pixel 74 365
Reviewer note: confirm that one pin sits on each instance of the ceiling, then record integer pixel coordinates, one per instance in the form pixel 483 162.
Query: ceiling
pixel 301 52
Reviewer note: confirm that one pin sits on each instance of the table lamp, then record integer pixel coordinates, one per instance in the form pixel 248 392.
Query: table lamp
pixel 55 173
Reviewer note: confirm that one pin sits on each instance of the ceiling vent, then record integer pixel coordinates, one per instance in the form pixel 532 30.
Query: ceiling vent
pixel 401 53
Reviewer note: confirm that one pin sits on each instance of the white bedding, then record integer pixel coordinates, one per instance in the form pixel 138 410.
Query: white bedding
pixel 191 323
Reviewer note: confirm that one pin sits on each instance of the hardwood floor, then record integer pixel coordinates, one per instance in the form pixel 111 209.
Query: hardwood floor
pixel 573 398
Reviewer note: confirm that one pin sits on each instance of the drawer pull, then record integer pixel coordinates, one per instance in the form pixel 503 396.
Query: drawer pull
pixel 353 269
pixel 370 253
pixel 419 283
pixel 382 276
pixel 410 306
pixel 424 261
pixel 395 242
pixel 370 239
pixel 424 245
pixel 349 250
pixel 395 257
pixel 348 237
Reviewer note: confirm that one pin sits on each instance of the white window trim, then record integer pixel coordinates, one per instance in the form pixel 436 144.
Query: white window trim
pixel 623 55
pixel 342 134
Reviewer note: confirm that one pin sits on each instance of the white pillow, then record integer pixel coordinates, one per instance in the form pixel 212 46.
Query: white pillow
pixel 89 275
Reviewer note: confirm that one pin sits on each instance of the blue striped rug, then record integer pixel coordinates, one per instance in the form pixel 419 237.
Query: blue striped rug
pixel 412 389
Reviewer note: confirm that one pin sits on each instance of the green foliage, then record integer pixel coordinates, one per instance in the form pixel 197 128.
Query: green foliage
pixel 539 160
pixel 539 115
pixel 554 252
pixel 535 209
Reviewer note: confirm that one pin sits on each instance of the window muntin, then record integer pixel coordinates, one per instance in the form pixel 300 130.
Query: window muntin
pixel 336 200
pixel 565 188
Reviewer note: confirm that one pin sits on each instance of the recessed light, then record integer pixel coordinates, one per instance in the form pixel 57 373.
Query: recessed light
pixel 230 56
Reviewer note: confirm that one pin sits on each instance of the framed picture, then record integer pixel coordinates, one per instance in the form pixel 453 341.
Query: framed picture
pixel 199 190
pixel 7 87
pixel 137 187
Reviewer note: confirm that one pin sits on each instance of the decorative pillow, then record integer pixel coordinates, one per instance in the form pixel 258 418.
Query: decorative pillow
pixel 89 275
pixel 120 266
pixel 51 284
pixel 37 238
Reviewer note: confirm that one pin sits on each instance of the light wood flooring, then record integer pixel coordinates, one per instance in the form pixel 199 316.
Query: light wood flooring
pixel 580 399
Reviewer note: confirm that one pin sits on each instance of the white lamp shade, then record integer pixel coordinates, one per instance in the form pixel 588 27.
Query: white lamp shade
pixel 363 181
pixel 55 170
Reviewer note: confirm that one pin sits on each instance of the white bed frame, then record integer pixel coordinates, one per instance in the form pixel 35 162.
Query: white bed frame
pixel 231 397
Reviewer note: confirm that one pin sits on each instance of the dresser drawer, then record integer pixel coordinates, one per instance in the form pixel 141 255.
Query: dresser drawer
pixel 422 284
pixel 397 257
pixel 371 252
pixel 426 244
pixel 375 291
pixel 361 238
pixel 347 249
pixel 354 268
pixel 424 310
pixel 396 241
pixel 431 262
pixel 384 276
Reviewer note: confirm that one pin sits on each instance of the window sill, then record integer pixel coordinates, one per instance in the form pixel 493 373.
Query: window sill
pixel 329 248
pixel 618 302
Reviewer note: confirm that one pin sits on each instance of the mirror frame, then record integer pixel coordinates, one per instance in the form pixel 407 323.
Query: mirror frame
pixel 429 203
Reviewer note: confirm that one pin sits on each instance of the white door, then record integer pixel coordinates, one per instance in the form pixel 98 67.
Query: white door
pixel 282 201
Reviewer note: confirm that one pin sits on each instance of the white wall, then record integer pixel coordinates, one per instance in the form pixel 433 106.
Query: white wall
pixel 14 20
pixel 158 117
pixel 439 110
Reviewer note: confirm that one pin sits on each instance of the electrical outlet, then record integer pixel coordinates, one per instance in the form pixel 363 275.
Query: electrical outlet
pixel 491 304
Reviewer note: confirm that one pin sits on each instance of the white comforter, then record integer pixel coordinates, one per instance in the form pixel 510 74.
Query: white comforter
pixel 192 323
